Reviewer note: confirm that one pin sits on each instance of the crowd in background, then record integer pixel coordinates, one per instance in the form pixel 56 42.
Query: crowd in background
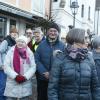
pixel 34 66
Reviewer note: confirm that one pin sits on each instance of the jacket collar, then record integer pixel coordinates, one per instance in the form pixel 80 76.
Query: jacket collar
pixel 54 43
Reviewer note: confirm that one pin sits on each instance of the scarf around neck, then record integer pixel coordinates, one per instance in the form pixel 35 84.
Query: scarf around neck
pixel 77 54
pixel 16 59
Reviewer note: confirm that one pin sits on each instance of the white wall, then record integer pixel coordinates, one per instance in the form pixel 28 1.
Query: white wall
pixel 97 22
pixel 21 26
pixel 64 17
pixel 38 7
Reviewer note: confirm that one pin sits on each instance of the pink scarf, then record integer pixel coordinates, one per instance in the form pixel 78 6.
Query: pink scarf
pixel 16 58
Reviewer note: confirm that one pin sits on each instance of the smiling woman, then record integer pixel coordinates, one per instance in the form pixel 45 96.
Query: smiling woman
pixel 5 45
pixel 20 69
pixel 21 41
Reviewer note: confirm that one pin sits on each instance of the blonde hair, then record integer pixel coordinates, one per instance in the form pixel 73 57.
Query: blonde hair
pixel 13 30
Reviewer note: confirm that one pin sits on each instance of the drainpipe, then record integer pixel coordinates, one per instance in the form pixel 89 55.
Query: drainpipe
pixel 50 9
pixel 97 21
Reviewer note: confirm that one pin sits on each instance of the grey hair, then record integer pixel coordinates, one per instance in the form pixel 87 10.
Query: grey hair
pixel 38 30
pixel 96 42
pixel 76 35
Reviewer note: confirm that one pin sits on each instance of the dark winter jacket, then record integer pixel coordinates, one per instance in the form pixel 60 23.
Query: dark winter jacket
pixel 11 42
pixel 44 56
pixel 71 80
pixel 36 44
pixel 96 57
pixel 5 45
pixel 33 45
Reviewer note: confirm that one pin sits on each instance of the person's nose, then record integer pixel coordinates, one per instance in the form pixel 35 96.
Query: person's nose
pixel 53 33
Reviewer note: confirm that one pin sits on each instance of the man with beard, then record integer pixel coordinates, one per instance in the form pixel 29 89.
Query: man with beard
pixel 44 58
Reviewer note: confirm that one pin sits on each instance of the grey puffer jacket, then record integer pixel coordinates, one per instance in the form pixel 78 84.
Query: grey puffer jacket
pixel 72 80
pixel 96 57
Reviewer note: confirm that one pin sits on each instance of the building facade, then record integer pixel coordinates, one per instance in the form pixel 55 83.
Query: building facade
pixel 62 14
pixel 22 14
pixel 97 17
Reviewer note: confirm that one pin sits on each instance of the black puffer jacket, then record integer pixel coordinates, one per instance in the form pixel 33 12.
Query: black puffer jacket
pixel 71 80
pixel 11 42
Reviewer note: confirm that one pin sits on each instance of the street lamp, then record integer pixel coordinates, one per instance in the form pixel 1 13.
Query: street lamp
pixel 74 7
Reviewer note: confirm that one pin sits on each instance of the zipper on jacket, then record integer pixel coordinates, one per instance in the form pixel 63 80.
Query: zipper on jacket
pixel 79 81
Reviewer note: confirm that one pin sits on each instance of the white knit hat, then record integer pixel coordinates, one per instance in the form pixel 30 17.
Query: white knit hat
pixel 23 38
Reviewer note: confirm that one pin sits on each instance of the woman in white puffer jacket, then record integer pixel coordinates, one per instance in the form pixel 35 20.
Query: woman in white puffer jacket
pixel 19 66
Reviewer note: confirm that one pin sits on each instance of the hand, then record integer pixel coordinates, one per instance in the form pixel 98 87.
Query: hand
pixel 20 79
pixel 46 75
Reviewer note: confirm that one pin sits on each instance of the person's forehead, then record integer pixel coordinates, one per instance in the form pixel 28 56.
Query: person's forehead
pixel 20 40
pixel 36 33
pixel 14 33
pixel 53 29
pixel 29 31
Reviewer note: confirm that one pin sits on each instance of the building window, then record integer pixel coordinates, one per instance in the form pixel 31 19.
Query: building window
pixel 82 11
pixel 29 26
pixel 89 12
pixel 55 0
pixel 3 22
pixel 12 23
pixel 38 8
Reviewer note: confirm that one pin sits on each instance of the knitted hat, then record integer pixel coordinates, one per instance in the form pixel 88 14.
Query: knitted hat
pixel 22 38
pixel 54 25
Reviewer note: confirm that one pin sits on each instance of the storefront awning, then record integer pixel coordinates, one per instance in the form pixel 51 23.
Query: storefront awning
pixel 14 10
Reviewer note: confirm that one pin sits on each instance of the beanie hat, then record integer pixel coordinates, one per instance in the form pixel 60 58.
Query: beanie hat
pixel 54 25
pixel 23 38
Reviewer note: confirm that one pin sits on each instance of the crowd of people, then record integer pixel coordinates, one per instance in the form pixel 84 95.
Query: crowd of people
pixel 60 71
